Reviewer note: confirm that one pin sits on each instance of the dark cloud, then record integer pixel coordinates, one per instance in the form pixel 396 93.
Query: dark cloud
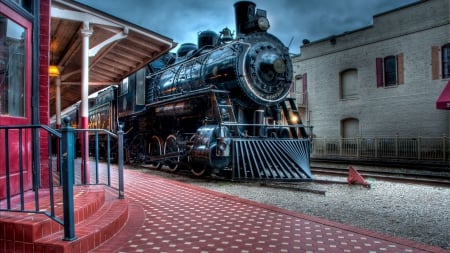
pixel 291 20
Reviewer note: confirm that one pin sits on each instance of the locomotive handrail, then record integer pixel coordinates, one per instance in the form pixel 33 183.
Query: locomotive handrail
pixel 193 57
pixel 177 96
pixel 266 125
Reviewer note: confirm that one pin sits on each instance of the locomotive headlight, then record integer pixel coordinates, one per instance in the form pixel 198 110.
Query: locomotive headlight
pixel 279 66
pixel 263 23
pixel 294 118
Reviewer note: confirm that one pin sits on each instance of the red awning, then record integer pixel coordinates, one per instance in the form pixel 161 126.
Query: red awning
pixel 443 102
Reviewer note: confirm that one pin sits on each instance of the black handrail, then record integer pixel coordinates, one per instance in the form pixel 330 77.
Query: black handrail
pixel 108 135
pixel 65 139
pixel 20 129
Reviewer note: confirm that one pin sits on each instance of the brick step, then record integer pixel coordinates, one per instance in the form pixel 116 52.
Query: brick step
pixel 91 233
pixel 25 228
pixel 81 193
pixel 19 231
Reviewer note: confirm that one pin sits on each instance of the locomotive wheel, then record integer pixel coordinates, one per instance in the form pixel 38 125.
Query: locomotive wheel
pixel 155 146
pixel 199 170
pixel 171 149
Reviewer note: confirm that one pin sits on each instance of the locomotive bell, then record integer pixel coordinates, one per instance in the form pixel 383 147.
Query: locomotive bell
pixel 226 35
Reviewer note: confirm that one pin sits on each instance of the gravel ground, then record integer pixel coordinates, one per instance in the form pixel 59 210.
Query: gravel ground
pixel 417 212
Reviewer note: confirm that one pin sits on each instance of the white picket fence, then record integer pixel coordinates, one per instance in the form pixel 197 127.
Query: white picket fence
pixel 412 148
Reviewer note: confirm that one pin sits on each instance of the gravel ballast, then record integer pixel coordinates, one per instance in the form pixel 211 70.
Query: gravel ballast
pixel 416 212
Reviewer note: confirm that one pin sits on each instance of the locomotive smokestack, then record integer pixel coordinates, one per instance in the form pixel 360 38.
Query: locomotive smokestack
pixel 248 19
pixel 244 15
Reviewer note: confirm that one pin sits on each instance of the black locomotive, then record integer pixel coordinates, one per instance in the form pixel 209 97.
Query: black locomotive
pixel 219 107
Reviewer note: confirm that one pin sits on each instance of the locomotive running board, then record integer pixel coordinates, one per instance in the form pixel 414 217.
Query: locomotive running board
pixel 271 159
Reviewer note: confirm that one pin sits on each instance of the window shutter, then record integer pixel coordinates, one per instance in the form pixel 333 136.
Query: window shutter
pixel 434 63
pixel 293 88
pixel 379 66
pixel 400 74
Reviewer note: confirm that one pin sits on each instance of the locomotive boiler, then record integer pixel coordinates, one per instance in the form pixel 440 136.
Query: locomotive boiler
pixel 219 107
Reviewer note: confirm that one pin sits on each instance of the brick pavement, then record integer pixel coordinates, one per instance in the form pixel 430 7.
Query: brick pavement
pixel 170 216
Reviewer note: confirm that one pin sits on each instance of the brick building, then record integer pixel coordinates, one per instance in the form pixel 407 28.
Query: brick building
pixel 35 34
pixel 380 80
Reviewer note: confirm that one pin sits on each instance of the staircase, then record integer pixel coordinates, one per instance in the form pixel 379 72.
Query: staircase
pixel 99 215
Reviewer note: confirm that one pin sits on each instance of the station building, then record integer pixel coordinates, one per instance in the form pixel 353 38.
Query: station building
pixel 36 35
pixel 380 80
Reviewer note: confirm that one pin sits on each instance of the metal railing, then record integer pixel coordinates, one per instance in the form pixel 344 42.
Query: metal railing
pixel 100 148
pixel 21 153
pixel 393 147
pixel 16 156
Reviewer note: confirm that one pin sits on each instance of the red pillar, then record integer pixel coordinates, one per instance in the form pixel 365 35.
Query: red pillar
pixel 85 33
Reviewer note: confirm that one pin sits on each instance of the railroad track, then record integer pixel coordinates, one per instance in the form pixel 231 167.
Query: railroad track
pixel 342 174
pixel 339 177
pixel 394 175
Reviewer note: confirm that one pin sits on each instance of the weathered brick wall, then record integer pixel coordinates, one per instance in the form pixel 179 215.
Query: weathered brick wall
pixel 407 109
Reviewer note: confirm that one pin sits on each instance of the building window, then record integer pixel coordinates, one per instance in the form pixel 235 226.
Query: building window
pixel 26 4
pixel 446 61
pixel 350 128
pixel 349 87
pixel 389 70
pixel 140 87
pixel 124 86
pixel 12 67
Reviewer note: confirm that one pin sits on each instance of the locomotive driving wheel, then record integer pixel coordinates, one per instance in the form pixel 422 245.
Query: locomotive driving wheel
pixel 172 153
pixel 200 170
pixel 155 146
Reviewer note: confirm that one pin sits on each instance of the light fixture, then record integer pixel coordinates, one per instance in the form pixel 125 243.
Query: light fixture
pixel 53 71
pixel 263 23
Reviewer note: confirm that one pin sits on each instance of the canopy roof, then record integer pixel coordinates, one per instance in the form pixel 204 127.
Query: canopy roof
pixel 443 101
pixel 117 48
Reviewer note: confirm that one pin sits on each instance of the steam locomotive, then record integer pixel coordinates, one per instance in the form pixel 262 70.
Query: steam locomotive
pixel 218 107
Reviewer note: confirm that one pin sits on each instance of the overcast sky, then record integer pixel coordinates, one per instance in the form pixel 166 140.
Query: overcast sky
pixel 290 20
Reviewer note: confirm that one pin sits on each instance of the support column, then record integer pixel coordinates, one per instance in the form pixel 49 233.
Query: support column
pixel 58 120
pixel 58 102
pixel 83 124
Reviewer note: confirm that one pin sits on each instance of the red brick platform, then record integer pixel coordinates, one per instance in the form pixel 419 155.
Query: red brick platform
pixel 162 215
pixel 170 216
pixel 98 215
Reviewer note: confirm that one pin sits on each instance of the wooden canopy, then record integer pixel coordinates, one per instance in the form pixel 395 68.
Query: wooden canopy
pixel 117 48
